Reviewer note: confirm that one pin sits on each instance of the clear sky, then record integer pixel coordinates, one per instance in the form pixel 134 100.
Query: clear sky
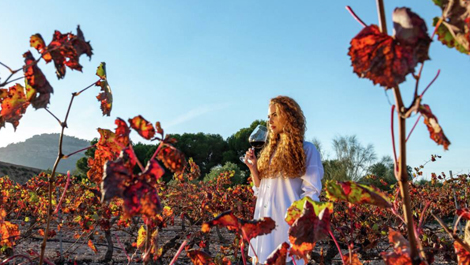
pixel 212 66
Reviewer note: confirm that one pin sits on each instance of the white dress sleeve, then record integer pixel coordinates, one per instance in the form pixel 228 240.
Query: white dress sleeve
pixel 311 181
pixel 255 190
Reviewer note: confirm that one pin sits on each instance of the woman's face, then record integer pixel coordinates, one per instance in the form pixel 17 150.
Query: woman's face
pixel 276 121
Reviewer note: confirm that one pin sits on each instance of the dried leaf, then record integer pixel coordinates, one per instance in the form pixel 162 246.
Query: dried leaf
pixel 37 81
pixel 435 130
pixel 454 32
pixel 279 255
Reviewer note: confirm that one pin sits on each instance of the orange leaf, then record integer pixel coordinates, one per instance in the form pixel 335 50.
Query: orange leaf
pixel 13 105
pixel 435 130
pixel 463 257
pixel 92 246
pixel 143 127
pixel 172 158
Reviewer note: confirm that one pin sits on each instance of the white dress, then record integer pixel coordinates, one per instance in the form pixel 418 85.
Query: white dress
pixel 275 195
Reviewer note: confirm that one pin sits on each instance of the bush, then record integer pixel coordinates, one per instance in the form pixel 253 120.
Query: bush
pixel 239 176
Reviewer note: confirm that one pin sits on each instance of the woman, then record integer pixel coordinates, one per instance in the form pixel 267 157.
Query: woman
pixel 287 170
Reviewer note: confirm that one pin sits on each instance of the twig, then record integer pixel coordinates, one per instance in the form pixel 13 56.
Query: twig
pixel 79 92
pixel 355 16
pixel 409 134
pixel 175 258
pixel 123 248
pixel 63 193
pixel 393 141
pixel 55 117
pixel 5 261
pixel 438 72
pixel 454 236
pixel 78 151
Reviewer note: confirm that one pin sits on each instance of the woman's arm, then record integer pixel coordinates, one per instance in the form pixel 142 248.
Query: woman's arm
pixel 253 166
pixel 311 180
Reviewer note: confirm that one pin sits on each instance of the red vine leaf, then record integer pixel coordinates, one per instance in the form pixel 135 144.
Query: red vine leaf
pixel 254 228
pixel 108 148
pixel 226 219
pixel 65 50
pixel 141 199
pixel 143 127
pixel 463 257
pixel 153 171
pixel 117 176
pixel 435 130
pixel 172 158
pixel 380 58
pixel 401 250
pixel 37 81
pixel 278 256
pixel 355 193
pixel 308 229
pixel 13 105
pixel 411 30
pixel 251 228
pixel 199 257
pixel 465 213
pixel 454 32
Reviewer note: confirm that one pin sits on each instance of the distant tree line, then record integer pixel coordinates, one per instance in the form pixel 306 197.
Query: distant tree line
pixel 213 154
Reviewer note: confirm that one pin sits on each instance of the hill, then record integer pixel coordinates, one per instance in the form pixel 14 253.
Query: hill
pixel 20 174
pixel 40 152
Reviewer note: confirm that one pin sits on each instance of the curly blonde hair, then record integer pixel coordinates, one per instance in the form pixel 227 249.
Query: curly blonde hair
pixel 284 153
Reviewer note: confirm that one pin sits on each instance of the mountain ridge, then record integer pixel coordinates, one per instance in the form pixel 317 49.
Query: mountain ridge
pixel 40 152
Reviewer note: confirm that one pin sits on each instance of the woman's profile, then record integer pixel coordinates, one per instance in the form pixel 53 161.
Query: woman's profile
pixel 288 169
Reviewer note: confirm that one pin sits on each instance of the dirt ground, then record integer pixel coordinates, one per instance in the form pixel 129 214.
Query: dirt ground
pixel 76 251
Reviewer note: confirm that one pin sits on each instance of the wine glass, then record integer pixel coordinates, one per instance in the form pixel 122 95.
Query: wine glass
pixel 257 139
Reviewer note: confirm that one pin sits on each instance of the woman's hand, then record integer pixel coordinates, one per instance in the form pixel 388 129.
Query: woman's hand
pixel 251 160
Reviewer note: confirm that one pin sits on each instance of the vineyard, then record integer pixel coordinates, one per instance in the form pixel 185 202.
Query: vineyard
pixel 123 212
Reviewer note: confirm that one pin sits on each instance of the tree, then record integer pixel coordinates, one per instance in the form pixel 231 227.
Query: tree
pixel 238 178
pixel 238 144
pixel 354 157
pixel 206 149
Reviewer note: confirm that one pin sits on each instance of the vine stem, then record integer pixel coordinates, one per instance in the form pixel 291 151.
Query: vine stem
pixel 454 236
pixel 63 193
pixel 412 129
pixel 78 151
pixel 123 248
pixel 402 175
pixel 51 180
pixel 337 245
pixel 393 138
pixel 355 16
pixel 5 261
pixel 175 258
pixel 434 79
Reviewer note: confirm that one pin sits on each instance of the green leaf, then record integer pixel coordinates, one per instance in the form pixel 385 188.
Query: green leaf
pixel 355 193
pixel 295 210
pixel 101 70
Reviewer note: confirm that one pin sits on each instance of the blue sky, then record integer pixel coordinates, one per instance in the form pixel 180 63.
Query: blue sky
pixel 212 66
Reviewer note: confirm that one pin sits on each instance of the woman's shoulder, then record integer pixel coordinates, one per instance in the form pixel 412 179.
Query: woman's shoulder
pixel 310 150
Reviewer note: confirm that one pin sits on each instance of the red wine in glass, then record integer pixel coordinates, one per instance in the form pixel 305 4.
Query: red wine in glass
pixel 257 139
